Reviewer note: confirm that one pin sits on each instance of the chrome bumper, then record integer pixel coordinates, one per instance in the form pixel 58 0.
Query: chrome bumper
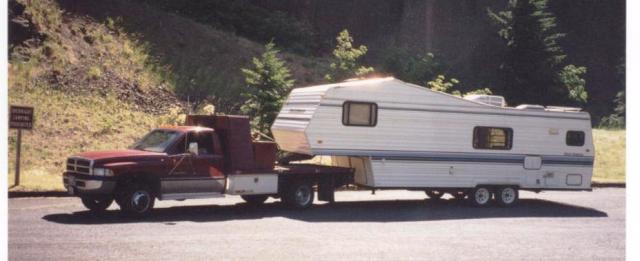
pixel 78 184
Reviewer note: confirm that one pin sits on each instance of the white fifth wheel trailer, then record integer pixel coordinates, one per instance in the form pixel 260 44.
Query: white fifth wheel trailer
pixel 398 135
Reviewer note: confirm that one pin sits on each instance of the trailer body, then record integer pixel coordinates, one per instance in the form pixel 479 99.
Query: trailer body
pixel 399 135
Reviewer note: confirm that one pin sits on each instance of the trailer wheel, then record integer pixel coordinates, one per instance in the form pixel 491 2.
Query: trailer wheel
pixel 299 195
pixel 136 201
pixel 434 194
pixel 96 205
pixel 507 196
pixel 254 199
pixel 480 196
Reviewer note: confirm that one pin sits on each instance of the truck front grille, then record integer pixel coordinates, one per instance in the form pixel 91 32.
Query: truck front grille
pixel 79 165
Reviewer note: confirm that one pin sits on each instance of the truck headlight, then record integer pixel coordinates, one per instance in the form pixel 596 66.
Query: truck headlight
pixel 102 172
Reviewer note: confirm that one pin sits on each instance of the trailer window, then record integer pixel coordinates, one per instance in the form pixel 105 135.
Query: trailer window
pixel 359 114
pixel 492 138
pixel 575 138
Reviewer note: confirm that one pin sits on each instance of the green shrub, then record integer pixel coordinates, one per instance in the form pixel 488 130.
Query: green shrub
pixel 346 59
pixel 269 81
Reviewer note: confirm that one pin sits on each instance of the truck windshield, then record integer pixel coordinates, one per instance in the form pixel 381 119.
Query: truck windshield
pixel 156 140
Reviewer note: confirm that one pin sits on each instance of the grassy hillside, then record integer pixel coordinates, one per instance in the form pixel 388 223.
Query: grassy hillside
pixel 101 81
pixel 69 124
pixel 610 148
pixel 197 59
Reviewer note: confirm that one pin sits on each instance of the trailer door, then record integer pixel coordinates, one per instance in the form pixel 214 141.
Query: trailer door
pixel 533 170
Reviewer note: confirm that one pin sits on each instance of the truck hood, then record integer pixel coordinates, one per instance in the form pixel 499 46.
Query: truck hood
pixel 118 154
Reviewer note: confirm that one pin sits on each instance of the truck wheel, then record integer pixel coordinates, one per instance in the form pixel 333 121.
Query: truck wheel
pixel 96 205
pixel 434 194
pixel 507 196
pixel 299 196
pixel 480 196
pixel 137 201
pixel 254 199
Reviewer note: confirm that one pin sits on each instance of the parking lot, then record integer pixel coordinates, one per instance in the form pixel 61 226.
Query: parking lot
pixel 397 225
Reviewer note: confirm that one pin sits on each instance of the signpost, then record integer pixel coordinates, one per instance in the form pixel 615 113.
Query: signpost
pixel 20 118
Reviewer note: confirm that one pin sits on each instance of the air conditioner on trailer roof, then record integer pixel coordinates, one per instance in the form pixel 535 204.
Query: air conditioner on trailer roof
pixel 493 100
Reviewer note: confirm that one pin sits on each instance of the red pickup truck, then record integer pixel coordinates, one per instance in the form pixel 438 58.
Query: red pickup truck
pixel 210 157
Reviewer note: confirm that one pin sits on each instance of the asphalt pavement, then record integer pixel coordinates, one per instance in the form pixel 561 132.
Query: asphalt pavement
pixel 390 225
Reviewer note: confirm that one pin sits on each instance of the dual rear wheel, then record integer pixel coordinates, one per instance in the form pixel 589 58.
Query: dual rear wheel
pixel 299 195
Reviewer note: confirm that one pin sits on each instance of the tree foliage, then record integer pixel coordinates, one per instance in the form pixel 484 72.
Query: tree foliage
pixel 534 65
pixel 571 76
pixel 482 91
pixel 409 67
pixel 441 84
pixel 617 118
pixel 268 83
pixel 346 56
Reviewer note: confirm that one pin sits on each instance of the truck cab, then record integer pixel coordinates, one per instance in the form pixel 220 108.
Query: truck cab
pixel 209 157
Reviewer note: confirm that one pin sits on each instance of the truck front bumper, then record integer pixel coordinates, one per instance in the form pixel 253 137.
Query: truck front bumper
pixel 80 184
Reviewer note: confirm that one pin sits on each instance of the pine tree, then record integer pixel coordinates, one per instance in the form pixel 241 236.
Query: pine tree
pixel 346 57
pixel 268 83
pixel 533 67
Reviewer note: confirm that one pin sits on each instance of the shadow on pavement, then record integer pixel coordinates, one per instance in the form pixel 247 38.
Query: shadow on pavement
pixel 360 211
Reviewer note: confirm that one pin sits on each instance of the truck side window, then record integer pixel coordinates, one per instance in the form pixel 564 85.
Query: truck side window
pixel 492 138
pixel 359 114
pixel 575 138
pixel 204 140
pixel 180 147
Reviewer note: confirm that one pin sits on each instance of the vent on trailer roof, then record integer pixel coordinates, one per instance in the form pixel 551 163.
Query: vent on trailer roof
pixel 493 100
pixel 563 109
pixel 530 107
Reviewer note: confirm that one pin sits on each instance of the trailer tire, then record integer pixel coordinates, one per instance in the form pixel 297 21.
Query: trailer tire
pixel 96 205
pixel 255 200
pixel 299 195
pixel 480 196
pixel 434 194
pixel 506 196
pixel 136 200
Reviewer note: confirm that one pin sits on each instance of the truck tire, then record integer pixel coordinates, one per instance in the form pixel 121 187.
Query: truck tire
pixel 136 201
pixel 434 194
pixel 507 196
pixel 480 196
pixel 299 195
pixel 255 199
pixel 96 205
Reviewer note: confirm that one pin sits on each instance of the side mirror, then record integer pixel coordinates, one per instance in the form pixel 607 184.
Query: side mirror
pixel 193 148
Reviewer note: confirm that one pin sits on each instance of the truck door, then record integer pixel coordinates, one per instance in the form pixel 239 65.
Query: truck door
pixel 180 170
pixel 207 161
